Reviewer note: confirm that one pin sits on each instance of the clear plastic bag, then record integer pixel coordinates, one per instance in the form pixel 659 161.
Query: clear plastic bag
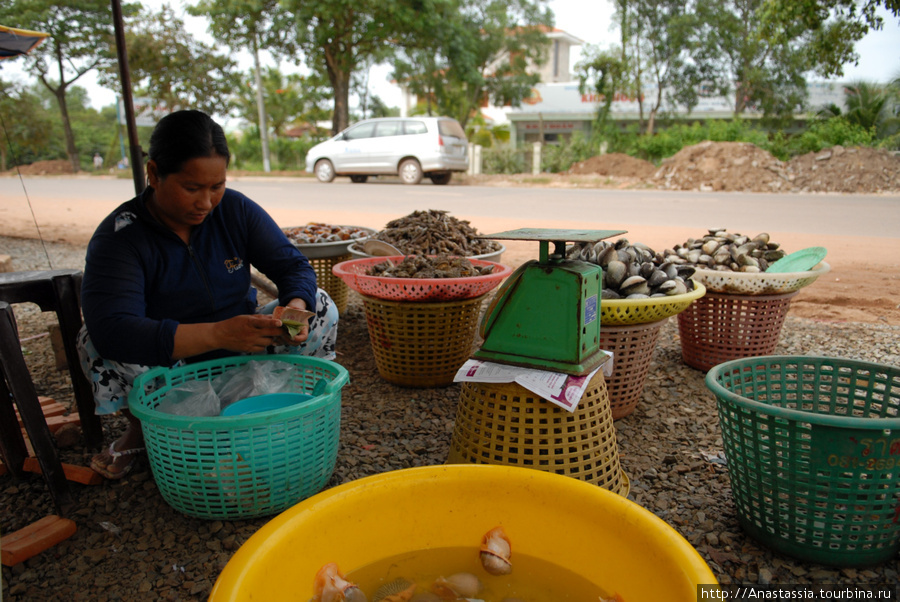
pixel 193 398
pixel 210 397
pixel 252 379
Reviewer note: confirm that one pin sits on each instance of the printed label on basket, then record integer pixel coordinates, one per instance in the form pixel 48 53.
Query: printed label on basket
pixel 835 447
pixel 564 390
pixel 590 309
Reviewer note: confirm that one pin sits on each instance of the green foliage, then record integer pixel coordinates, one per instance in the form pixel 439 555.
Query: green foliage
pixel 467 51
pixel 289 99
pixel 290 153
pixel 558 158
pixel 81 40
pixel 602 72
pixel 819 135
pixel 503 158
pixel 246 149
pixel 830 28
pixel 171 67
pixel 27 127
pixel 340 37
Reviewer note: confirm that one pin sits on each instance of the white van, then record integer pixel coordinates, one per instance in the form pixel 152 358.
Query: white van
pixel 411 147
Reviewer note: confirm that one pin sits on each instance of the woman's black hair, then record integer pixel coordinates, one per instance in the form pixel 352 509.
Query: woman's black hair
pixel 185 135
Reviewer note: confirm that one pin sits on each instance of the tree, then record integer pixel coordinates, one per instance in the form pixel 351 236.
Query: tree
pixel 869 106
pixel 337 37
pixel 246 25
pixel 662 33
pixel 738 60
pixel 832 27
pixel 292 98
pixel 81 39
pixel 475 51
pixel 27 128
pixel 172 68
pixel 603 72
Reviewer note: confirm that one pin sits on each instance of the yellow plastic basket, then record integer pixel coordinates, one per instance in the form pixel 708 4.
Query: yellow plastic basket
pixel 620 312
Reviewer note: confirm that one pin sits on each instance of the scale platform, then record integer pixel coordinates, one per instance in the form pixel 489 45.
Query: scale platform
pixel 546 315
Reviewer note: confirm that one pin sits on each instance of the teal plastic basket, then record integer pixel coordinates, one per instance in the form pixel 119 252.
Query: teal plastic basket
pixel 247 466
pixel 813 452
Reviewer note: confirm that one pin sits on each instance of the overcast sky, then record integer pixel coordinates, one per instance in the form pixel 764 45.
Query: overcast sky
pixel 588 20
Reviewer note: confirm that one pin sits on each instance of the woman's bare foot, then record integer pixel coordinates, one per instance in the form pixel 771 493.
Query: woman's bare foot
pixel 118 459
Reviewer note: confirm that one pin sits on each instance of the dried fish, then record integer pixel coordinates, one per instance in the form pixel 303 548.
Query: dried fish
pixel 434 232
pixel 420 266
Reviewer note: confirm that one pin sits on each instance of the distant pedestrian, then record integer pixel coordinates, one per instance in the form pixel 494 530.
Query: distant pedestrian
pixel 98 161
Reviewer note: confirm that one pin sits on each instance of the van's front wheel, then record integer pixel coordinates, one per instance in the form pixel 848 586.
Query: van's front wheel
pixel 324 171
pixel 410 171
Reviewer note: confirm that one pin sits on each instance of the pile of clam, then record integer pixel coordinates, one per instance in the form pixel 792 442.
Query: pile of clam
pixel 318 232
pixel 634 271
pixel 724 251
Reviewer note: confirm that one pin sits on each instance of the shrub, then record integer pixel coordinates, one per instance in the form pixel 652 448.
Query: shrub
pixel 502 158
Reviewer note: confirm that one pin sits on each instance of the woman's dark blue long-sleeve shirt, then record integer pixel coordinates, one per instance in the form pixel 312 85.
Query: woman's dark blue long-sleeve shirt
pixel 141 280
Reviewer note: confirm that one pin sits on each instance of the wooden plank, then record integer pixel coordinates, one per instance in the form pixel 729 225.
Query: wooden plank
pixel 75 473
pixel 29 541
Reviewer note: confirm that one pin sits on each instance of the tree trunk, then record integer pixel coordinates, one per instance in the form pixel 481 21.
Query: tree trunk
pixel 60 94
pixel 261 108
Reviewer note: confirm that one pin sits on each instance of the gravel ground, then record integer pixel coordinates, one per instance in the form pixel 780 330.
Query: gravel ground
pixel 130 545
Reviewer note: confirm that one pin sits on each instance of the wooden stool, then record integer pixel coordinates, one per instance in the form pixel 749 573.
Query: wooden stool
pixel 16 385
pixel 59 291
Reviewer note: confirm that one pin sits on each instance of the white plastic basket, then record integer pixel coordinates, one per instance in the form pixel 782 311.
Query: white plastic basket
pixel 758 283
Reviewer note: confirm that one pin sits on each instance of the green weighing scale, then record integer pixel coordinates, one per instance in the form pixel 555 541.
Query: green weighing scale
pixel 547 313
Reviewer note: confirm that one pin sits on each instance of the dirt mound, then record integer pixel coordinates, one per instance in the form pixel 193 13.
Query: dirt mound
pixel 617 165
pixel 731 166
pixel 839 169
pixel 45 168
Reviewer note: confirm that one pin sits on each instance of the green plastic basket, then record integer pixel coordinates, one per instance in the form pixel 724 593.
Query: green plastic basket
pixel 245 466
pixel 813 452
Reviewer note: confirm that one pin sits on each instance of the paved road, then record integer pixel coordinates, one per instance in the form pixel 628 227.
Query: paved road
pixel 294 202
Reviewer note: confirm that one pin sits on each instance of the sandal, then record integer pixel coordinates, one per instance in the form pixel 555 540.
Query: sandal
pixel 101 467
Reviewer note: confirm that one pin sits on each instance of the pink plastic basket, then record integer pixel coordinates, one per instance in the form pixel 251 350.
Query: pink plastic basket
pixel 353 273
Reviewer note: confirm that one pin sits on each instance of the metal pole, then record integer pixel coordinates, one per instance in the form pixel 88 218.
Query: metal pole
pixel 137 155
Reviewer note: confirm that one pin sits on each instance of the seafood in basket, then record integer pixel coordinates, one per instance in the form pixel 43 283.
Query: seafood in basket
pixel 318 232
pixel 725 251
pixel 434 232
pixel 634 271
pixel 420 266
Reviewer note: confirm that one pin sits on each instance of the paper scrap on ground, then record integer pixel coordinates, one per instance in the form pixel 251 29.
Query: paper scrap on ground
pixel 564 390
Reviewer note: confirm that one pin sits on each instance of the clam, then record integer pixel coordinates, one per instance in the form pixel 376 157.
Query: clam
pixel 724 251
pixel 457 585
pixel 330 586
pixel 495 552
pixel 615 273
pixel 635 285
pixel 605 256
pixel 639 266
pixel 657 278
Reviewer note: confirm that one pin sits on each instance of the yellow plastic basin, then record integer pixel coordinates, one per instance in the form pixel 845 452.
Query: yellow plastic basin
pixel 600 535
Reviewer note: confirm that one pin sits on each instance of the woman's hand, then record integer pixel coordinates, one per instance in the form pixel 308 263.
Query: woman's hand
pixel 301 336
pixel 249 333
pixel 240 334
